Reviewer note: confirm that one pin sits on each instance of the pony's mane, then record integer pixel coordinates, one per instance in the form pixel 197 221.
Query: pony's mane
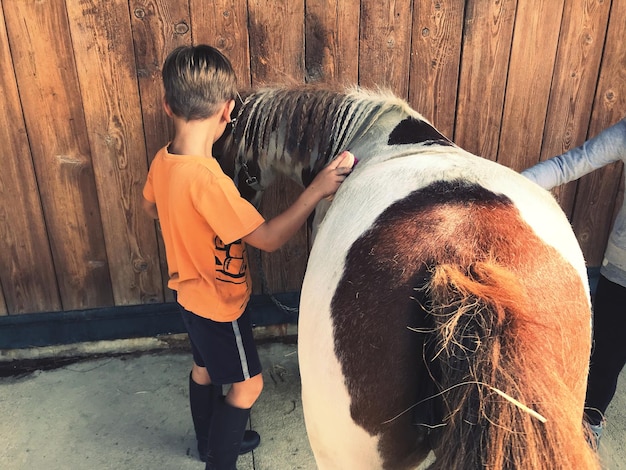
pixel 310 123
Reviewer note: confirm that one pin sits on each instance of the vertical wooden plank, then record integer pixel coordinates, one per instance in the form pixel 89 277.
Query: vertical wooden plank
pixel 46 74
pixel 610 98
pixel 482 81
pixel 385 46
pixel 27 273
pixel 277 56
pixel 599 192
pixel 283 270
pixel 159 26
pixel 581 43
pixel 224 24
pixel 435 60
pixel 276 41
pixel 103 48
pixel 533 55
pixel 3 305
pixel 332 41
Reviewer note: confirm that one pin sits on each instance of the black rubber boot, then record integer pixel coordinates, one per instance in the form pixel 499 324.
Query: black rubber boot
pixel 251 441
pixel 202 401
pixel 226 435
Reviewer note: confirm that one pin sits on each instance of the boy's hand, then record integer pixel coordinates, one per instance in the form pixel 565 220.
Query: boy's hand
pixel 327 182
pixel 272 234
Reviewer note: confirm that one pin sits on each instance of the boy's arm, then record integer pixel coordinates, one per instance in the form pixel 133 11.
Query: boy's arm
pixel 273 234
pixel 150 208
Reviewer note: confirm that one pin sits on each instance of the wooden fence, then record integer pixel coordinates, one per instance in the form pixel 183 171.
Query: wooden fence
pixel 512 80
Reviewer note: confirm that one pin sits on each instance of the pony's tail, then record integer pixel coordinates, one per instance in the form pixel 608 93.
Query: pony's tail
pixel 504 403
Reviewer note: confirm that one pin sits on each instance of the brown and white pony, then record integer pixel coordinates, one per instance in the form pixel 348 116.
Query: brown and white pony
pixel 445 304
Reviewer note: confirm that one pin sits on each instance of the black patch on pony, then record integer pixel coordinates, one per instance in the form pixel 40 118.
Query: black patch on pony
pixel 415 131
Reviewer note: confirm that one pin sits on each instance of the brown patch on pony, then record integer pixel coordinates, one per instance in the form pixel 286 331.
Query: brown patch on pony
pixel 449 295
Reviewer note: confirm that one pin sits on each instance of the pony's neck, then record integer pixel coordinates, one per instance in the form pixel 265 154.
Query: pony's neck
pixel 296 132
pixel 368 141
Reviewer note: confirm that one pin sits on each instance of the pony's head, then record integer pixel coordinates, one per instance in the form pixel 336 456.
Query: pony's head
pixel 246 174
pixel 282 130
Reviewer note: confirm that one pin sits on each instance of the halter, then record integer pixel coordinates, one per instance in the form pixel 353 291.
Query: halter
pixel 250 180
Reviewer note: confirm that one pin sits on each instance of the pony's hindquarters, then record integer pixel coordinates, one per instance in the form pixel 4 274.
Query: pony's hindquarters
pixel 445 322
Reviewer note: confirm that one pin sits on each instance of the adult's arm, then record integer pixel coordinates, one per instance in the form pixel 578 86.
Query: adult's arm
pixel 607 147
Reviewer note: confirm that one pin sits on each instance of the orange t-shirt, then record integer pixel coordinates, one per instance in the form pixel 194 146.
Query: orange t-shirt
pixel 203 218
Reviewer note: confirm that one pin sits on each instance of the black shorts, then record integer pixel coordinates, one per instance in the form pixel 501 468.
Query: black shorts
pixel 226 349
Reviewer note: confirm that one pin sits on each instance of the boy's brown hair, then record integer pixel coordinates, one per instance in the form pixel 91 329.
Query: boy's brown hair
pixel 197 81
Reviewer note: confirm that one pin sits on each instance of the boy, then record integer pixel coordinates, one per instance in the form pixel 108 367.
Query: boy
pixel 205 225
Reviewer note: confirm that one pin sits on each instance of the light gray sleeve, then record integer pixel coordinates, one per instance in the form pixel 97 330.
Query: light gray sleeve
pixel 607 147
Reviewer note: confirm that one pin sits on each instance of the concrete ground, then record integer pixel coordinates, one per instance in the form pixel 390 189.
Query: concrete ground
pixel 130 412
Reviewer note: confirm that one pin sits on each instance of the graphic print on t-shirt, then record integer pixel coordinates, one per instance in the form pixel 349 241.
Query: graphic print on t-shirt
pixel 230 262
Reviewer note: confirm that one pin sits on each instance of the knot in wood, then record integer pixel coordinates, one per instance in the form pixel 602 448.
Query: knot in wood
pixel 140 265
pixel 181 28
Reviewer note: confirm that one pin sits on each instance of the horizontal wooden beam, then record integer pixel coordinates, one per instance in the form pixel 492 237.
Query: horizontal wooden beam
pixel 136 321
